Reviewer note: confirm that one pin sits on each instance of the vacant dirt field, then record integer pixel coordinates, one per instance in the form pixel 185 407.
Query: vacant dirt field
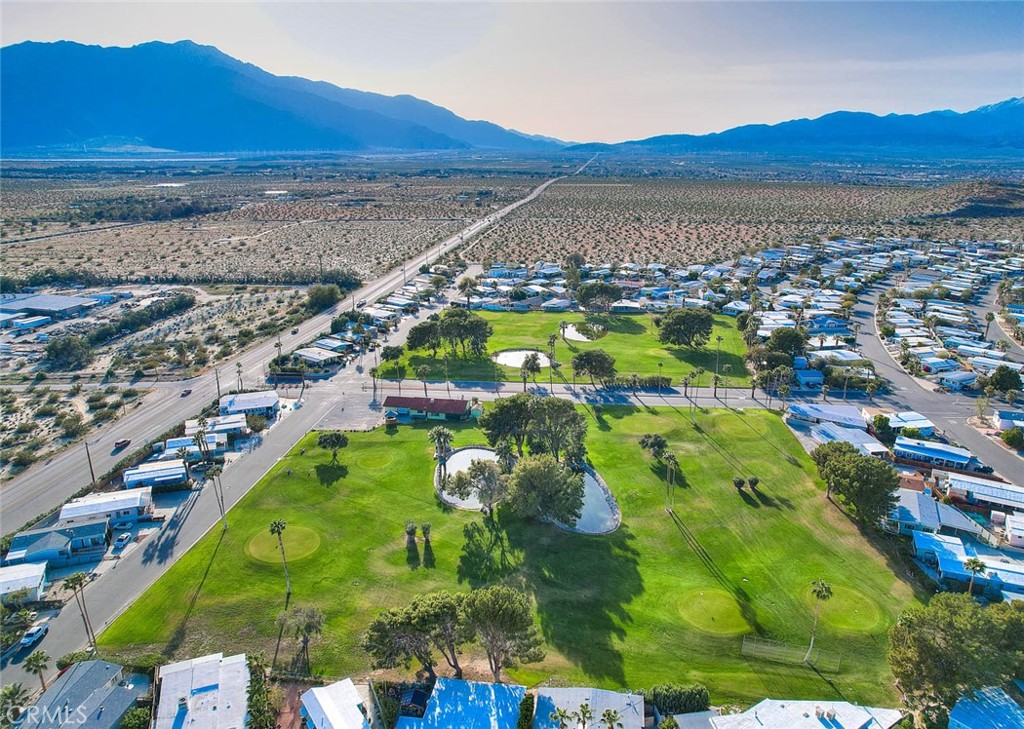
pixel 686 221
pixel 250 227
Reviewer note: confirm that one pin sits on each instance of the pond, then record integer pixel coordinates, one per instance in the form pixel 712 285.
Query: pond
pixel 599 514
pixel 459 460
pixel 516 357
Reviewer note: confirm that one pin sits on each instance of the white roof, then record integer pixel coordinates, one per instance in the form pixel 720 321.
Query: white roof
pixel 316 354
pixel 217 424
pixel 630 706
pixel 157 470
pixel 21 577
pixel 785 714
pixel 93 504
pixel 249 400
pixel 203 693
pixel 335 706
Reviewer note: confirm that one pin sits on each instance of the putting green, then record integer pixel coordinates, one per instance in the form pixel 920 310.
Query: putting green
pixel 713 611
pixel 848 609
pixel 376 459
pixel 299 542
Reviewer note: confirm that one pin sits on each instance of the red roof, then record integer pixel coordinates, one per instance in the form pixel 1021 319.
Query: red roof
pixel 428 404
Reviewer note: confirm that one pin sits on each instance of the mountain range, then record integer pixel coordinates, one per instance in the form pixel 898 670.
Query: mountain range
pixel 182 97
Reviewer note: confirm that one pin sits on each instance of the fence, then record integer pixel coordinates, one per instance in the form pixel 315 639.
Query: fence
pixel 778 652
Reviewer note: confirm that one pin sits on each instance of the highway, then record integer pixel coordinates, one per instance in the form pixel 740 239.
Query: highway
pixel 46 486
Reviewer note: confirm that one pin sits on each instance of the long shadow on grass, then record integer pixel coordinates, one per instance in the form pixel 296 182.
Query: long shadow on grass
pixel 583 585
pixel 736 463
pixel 178 636
pixel 487 556
pixel 740 595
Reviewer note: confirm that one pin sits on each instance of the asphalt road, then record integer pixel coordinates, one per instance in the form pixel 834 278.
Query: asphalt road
pixel 46 486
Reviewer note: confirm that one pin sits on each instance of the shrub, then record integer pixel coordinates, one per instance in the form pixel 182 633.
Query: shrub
pixel 1013 437
pixel 389 711
pixel 525 720
pixel 674 698
pixel 136 718
pixel 410 529
pixel 69 658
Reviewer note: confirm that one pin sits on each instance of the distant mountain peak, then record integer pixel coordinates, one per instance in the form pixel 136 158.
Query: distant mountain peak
pixel 189 97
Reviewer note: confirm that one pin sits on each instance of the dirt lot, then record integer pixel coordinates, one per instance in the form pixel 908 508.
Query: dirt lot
pixel 38 422
pixel 250 227
pixel 684 221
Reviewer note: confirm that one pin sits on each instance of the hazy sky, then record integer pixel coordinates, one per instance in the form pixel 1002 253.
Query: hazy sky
pixel 596 71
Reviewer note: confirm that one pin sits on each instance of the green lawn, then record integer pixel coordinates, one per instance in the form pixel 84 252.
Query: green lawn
pixel 660 599
pixel 631 339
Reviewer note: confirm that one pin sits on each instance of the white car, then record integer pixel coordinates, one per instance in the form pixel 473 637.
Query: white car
pixel 123 540
pixel 34 635
pixel 121 525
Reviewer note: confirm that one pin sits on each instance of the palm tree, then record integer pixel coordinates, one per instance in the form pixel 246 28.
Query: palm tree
pixel 442 438
pixel 277 528
pixel 466 286
pixel 218 490
pixel 306 622
pixel 561 717
pixel 422 371
pixel 824 392
pixel 373 376
pixel 524 372
pixel 182 453
pixel 822 591
pixel 200 442
pixel 634 380
pixel 562 326
pixel 13 697
pixel 611 719
pixel 584 715
pixel 238 372
pixel 989 318
pixel 976 567
pixel 38 663
pixel 76 583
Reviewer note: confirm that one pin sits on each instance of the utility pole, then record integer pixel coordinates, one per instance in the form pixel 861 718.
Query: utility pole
pixel 88 457
pixel 216 374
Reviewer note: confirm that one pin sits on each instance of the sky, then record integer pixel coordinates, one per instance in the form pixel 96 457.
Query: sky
pixel 596 71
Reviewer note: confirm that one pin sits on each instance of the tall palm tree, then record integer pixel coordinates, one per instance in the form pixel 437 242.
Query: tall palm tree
pixel 611 719
pixel 218 491
pixel 13 697
pixel 976 567
pixel 306 622
pixel 277 528
pixel 422 371
pixel 182 453
pixel 561 717
pixel 671 465
pixel 466 286
pixel 989 318
pixel 505 452
pixel 562 326
pixel 442 438
pixel 38 663
pixel 373 377
pixel 584 715
pixel 76 583
pixel 238 372
pixel 822 592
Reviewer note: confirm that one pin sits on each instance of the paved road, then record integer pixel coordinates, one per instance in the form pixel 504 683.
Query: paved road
pixel 46 486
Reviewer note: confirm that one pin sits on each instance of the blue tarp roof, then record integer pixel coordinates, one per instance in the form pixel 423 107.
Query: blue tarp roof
pixel 468 705
pixel 988 708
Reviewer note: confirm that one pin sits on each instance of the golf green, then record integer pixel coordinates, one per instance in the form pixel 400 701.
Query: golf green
pixel 848 609
pixel 299 542
pixel 713 611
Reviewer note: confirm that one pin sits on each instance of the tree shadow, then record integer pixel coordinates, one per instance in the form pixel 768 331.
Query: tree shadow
pixel 429 561
pixel 178 636
pixel 740 595
pixel 486 555
pixel 617 324
pixel 583 585
pixel 748 499
pixel 765 499
pixel 412 552
pixel 328 474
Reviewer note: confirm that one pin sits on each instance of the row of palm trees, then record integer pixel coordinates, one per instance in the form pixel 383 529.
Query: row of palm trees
pixel 581 718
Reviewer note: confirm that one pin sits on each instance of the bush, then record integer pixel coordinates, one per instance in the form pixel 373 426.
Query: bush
pixel 674 698
pixel 69 658
pixel 256 423
pixel 525 720
pixel 1014 437
pixel 389 711
pixel 136 718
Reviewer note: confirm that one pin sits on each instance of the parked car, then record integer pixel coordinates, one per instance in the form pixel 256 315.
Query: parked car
pixel 186 392
pixel 123 540
pixel 17 618
pixel 123 443
pixel 34 635
pixel 295 330
pixel 121 526
pixel 361 303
